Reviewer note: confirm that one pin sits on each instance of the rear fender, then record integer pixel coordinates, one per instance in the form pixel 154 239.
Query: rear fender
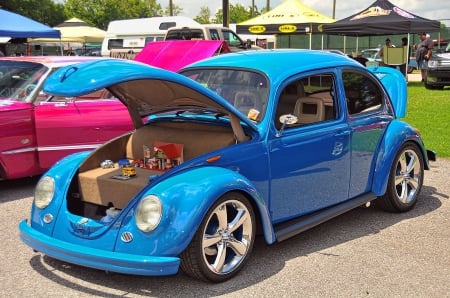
pixel 395 84
pixel 397 134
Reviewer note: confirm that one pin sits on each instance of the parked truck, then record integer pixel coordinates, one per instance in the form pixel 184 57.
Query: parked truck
pixel 209 32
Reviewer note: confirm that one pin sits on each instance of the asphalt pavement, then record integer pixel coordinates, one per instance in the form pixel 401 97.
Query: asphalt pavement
pixel 363 253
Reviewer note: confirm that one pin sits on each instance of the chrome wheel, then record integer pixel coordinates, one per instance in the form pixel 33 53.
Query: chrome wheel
pixel 405 180
pixel 227 237
pixel 408 176
pixel 223 242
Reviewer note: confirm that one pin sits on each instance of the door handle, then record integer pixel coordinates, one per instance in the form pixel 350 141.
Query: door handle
pixel 343 133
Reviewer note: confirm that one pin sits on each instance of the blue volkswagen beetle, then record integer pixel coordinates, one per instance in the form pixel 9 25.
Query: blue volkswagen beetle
pixel 272 142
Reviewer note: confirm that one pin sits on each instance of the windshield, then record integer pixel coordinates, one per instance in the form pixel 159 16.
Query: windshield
pixel 370 53
pixel 18 79
pixel 246 90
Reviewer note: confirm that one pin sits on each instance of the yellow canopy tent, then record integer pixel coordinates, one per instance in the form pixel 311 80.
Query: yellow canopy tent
pixel 75 30
pixel 289 17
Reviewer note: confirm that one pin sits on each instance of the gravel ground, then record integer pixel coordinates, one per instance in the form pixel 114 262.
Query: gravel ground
pixel 363 253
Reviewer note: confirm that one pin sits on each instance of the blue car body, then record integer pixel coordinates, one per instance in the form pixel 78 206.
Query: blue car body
pixel 295 178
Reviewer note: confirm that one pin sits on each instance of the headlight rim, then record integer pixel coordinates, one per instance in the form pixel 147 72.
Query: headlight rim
pixel 42 196
pixel 142 220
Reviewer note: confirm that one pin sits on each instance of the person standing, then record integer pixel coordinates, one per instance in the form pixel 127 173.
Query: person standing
pixel 423 54
pixel 388 44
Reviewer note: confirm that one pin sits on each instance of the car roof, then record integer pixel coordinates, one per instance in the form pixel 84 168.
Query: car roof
pixel 279 62
pixel 51 61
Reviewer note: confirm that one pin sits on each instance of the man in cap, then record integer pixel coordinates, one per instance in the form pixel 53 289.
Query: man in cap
pixel 423 54
pixel 387 44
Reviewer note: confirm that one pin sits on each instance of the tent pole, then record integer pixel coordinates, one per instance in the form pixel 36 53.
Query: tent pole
pixel 407 59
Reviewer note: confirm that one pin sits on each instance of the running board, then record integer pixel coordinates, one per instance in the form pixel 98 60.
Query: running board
pixel 298 225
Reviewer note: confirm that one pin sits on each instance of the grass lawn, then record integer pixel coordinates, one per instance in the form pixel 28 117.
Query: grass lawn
pixel 429 111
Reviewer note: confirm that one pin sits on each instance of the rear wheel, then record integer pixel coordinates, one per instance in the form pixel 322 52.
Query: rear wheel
pixel 223 242
pixel 405 180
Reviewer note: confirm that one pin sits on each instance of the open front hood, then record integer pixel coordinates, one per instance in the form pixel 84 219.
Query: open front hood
pixel 145 90
pixel 176 54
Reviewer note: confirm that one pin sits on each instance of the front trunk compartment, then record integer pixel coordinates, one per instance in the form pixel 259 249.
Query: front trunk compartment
pixel 93 190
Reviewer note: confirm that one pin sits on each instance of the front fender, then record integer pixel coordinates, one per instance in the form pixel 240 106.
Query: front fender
pixel 187 197
pixel 62 173
pixel 397 134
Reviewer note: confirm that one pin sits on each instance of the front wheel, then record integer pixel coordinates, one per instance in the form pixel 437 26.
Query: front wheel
pixel 223 242
pixel 405 180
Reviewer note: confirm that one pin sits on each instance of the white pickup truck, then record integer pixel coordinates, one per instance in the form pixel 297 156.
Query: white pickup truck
pixel 205 32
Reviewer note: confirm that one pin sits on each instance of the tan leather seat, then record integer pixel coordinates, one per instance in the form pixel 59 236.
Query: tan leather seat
pixel 309 110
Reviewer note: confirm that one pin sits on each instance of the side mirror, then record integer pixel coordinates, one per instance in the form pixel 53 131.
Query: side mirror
pixel 248 45
pixel 287 119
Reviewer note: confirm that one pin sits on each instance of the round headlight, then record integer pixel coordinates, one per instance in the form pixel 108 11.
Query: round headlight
pixel 148 213
pixel 43 194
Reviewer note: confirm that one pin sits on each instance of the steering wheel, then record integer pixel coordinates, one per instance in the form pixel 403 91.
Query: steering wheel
pixel 29 88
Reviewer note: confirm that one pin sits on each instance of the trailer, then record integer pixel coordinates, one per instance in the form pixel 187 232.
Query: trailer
pixel 125 38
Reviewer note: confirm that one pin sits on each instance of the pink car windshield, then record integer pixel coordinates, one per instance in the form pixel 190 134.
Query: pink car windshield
pixel 18 79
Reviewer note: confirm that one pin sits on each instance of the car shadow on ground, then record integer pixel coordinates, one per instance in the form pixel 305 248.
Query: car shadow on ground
pixel 265 261
pixel 11 190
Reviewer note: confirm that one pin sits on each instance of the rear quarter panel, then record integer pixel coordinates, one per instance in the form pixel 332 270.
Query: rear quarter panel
pixel 395 84
pixel 397 134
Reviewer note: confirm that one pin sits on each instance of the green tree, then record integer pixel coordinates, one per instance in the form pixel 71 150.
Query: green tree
pixel 176 10
pixel 99 13
pixel 238 13
pixel 42 11
pixel 204 17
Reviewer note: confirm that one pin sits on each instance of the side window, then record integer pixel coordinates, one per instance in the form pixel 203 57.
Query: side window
pixel 233 39
pixel 362 93
pixel 214 34
pixel 115 44
pixel 101 94
pixel 310 100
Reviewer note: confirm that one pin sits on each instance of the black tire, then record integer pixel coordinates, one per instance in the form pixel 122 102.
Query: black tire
pixel 223 242
pixel 405 180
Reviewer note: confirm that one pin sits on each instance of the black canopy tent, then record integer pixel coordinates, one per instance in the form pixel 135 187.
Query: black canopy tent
pixel 380 18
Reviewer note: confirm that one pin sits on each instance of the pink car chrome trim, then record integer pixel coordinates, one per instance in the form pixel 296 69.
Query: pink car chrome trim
pixel 74 147
pixel 18 151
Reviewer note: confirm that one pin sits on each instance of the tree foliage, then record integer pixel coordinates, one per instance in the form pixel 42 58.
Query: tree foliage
pixel 204 17
pixel 176 10
pixel 99 13
pixel 43 11
pixel 237 13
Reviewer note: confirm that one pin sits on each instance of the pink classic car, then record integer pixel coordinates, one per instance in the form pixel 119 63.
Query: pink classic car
pixel 37 130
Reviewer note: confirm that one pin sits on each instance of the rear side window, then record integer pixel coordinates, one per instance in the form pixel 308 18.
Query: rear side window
pixel 362 93
pixel 214 34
